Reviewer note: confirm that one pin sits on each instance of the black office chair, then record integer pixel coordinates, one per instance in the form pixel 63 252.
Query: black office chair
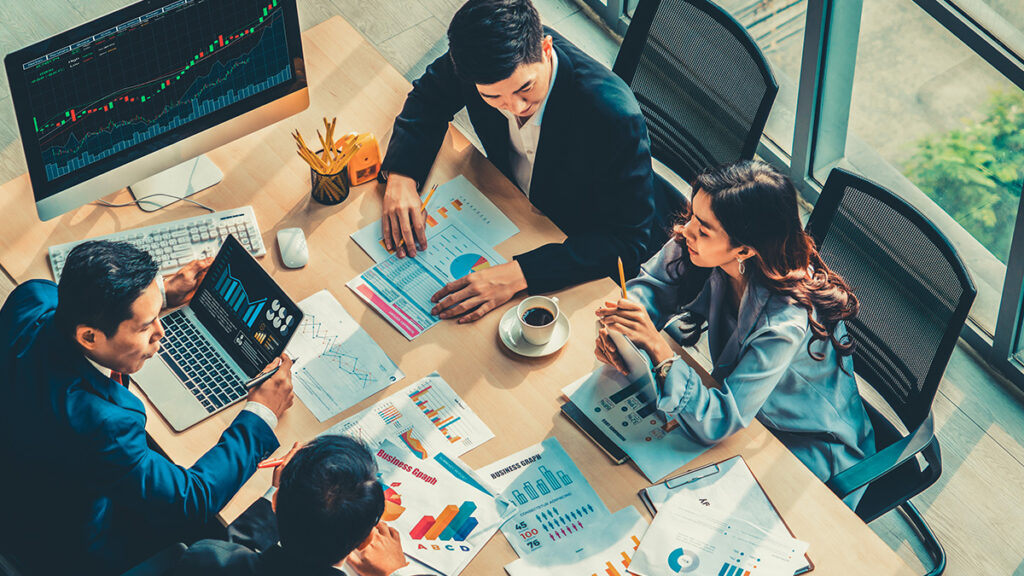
pixel 914 294
pixel 703 85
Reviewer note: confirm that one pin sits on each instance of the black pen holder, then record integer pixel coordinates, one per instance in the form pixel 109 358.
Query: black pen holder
pixel 329 188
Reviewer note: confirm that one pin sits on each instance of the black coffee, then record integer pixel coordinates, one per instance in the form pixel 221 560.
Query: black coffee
pixel 538 316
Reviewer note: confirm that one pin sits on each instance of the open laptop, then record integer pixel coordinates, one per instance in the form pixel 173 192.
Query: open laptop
pixel 238 321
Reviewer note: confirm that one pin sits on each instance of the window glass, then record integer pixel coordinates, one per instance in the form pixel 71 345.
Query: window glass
pixel 927 111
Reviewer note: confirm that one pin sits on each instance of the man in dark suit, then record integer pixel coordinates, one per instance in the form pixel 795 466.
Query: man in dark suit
pixel 84 492
pixel 328 506
pixel 557 123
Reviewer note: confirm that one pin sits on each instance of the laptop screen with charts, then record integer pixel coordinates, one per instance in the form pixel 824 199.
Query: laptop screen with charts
pixel 238 321
pixel 244 309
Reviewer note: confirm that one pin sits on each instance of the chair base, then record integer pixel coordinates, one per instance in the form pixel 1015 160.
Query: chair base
pixel 931 544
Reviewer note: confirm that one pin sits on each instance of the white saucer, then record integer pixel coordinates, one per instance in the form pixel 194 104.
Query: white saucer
pixel 512 336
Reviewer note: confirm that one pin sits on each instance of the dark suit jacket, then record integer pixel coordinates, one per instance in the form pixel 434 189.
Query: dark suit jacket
pixel 84 492
pixel 592 175
pixel 241 555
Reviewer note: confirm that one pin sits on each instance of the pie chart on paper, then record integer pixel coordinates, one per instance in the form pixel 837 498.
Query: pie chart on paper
pixel 468 263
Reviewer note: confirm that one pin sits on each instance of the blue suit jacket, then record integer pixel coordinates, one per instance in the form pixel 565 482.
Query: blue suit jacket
pixel 592 175
pixel 87 483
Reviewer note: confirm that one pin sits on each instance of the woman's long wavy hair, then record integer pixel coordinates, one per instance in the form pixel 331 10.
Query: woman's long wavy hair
pixel 757 207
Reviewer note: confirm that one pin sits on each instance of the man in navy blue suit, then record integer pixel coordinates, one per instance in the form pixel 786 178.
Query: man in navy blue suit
pixel 84 492
pixel 561 126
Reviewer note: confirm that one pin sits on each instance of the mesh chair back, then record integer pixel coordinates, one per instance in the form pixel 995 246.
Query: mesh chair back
pixel 703 85
pixel 914 291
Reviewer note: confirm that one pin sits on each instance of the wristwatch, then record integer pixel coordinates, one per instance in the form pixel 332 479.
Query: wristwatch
pixel 661 370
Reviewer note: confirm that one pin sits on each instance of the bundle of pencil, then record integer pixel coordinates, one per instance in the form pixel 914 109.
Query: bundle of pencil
pixel 334 155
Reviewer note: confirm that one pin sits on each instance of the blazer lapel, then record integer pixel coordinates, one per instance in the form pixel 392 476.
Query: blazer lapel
pixel 554 130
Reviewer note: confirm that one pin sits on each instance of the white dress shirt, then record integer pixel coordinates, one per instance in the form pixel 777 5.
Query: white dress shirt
pixel 524 139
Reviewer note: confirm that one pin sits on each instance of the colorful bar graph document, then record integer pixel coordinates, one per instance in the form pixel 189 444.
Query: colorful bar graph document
pixel 557 508
pixel 400 288
pixel 443 521
pixel 427 418
pixel 454 202
pixel 609 551
pixel 626 412
pixel 687 537
pixel 338 363
pixel 448 413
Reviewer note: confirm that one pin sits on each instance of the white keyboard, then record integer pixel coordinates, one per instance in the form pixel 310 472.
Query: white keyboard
pixel 174 244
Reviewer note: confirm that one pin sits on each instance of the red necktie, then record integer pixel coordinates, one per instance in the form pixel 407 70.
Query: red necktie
pixel 120 378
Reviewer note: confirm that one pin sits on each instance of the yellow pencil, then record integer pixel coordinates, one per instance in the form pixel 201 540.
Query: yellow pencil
pixel 622 279
pixel 423 208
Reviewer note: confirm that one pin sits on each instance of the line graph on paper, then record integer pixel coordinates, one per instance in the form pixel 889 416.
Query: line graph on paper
pixel 338 363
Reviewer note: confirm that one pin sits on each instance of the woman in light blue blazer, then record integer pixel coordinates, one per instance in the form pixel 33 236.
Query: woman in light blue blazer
pixel 742 263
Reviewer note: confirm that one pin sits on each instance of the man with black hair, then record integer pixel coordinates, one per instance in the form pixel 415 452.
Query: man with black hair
pixel 557 123
pixel 328 506
pixel 82 479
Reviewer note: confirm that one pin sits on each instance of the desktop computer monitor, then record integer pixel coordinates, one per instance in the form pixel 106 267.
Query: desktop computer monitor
pixel 135 97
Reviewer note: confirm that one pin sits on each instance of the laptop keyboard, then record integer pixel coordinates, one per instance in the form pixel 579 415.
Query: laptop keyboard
pixel 186 351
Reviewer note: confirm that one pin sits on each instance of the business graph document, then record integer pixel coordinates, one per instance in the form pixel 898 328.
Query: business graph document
pixel 687 538
pixel 454 202
pixel 608 551
pixel 338 363
pixel 427 418
pixel 557 508
pixel 443 522
pixel 446 411
pixel 400 288
pixel 627 413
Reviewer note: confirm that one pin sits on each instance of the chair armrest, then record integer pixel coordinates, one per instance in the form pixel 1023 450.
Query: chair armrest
pixel 874 467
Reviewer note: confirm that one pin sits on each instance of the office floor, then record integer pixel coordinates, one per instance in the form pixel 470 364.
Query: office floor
pixel 976 507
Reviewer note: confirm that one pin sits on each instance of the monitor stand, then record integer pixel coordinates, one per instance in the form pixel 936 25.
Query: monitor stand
pixel 175 183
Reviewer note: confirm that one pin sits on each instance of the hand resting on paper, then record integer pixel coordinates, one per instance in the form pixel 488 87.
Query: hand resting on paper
pixel 471 297
pixel 630 319
pixel 401 223
pixel 381 553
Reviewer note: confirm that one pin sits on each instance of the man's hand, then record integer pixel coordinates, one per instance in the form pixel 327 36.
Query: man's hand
pixel 402 217
pixel 180 286
pixel 381 556
pixel 476 294
pixel 631 319
pixel 276 392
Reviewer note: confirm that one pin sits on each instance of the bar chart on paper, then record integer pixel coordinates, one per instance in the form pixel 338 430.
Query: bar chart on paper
pixel 448 413
pixel 453 523
pixel 456 203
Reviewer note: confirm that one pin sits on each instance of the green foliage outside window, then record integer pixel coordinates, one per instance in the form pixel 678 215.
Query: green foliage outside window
pixel 976 173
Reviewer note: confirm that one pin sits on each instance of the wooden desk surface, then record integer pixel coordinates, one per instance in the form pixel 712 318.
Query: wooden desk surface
pixel 518 398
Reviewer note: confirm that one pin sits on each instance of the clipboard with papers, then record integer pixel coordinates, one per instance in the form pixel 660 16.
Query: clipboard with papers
pixel 727 487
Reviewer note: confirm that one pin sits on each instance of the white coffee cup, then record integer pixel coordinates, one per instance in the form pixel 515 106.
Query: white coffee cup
pixel 535 306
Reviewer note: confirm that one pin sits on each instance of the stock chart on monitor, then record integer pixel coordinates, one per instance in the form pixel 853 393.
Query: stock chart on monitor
pixel 151 75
